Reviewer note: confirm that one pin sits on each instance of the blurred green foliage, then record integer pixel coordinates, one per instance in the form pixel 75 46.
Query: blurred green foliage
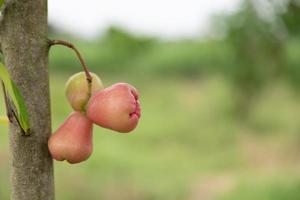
pixel 118 51
pixel 254 51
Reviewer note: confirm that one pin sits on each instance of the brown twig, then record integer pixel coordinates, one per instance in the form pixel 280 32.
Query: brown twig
pixel 71 46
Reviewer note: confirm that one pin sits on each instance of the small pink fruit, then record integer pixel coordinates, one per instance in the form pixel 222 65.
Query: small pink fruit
pixel 72 141
pixel 116 107
pixel 77 90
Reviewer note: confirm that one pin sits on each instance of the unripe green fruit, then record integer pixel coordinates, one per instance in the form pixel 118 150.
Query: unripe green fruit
pixel 77 90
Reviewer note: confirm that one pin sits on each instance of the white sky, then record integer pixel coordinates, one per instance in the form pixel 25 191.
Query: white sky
pixel 163 18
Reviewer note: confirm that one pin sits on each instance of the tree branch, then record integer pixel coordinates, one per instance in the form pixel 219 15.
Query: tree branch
pixel 23 35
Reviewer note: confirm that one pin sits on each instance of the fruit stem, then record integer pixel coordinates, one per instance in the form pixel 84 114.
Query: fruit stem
pixel 71 46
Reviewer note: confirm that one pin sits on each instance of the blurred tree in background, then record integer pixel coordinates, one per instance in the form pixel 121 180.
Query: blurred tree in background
pixel 258 43
pixel 291 19
pixel 261 34
pixel 123 45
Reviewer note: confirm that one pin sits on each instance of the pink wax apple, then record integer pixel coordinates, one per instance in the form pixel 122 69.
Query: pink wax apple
pixel 72 141
pixel 116 107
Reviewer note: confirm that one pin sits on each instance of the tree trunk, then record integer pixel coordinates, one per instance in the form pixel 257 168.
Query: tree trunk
pixel 23 39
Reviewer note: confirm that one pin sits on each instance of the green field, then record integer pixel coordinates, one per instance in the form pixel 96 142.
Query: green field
pixel 189 145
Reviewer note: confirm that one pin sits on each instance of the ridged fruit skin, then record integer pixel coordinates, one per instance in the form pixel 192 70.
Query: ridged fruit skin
pixel 116 107
pixel 72 141
pixel 77 89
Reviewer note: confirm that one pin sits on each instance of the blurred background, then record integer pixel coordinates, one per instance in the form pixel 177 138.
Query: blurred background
pixel 219 84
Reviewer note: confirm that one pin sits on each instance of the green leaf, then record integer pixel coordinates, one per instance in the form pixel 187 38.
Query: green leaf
pixel 1 3
pixel 17 99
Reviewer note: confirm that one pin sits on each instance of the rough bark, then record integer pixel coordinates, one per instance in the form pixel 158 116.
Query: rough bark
pixel 23 38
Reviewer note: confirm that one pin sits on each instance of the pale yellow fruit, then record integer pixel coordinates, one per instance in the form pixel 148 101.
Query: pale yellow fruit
pixel 77 90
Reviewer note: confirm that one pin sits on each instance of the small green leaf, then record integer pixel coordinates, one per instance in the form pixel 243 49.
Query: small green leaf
pixel 16 97
pixel 22 112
